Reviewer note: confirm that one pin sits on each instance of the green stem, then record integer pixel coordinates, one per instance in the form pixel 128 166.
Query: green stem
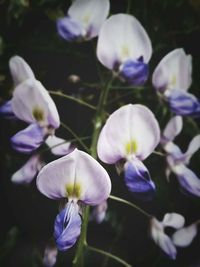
pixel 128 10
pixel 99 118
pixel 79 101
pixel 78 259
pixel 75 136
pixel 105 253
pixel 130 204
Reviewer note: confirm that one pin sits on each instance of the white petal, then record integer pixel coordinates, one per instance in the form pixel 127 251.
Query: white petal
pixel 192 148
pixel 20 70
pixel 173 128
pixel 130 130
pixel 28 171
pixel 77 176
pixel 174 71
pixel 122 37
pixel 161 239
pixel 32 103
pixel 184 236
pixel 174 220
pixel 59 146
pixel 90 14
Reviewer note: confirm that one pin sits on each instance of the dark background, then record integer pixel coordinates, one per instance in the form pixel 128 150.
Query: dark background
pixel 27 28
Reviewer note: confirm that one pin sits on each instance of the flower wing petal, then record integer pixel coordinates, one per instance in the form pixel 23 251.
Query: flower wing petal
pixel 59 146
pixel 173 128
pixel 122 37
pixel 174 220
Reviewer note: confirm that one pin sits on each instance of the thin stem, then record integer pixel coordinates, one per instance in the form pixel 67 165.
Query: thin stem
pixel 105 253
pixel 159 153
pixel 128 9
pixel 82 241
pixel 79 101
pixel 100 117
pixel 75 136
pixel 130 204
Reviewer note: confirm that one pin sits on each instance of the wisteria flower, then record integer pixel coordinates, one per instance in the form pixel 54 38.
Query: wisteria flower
pixel 177 160
pixel 124 47
pixel 182 237
pixel 79 178
pixel 84 19
pixel 172 79
pixel 28 171
pixel 131 134
pixel 157 232
pixel 32 103
pixel 20 71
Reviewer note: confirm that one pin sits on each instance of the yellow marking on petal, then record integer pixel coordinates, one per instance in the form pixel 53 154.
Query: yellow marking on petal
pixel 131 147
pixel 73 190
pixel 86 19
pixel 125 51
pixel 38 114
pixel 173 80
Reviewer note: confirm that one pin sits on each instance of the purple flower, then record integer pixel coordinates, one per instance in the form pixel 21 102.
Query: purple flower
pixel 124 46
pixel 32 103
pixel 79 178
pixel 84 19
pixel 131 134
pixel 172 79
pixel 177 160
pixel 157 232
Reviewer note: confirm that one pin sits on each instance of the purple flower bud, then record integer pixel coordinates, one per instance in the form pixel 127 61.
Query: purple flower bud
pixel 6 111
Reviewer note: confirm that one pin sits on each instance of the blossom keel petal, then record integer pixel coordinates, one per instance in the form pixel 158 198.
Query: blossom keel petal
pixel 28 140
pixel 69 29
pixel 134 72
pixel 183 103
pixel 67 227
pixel 138 180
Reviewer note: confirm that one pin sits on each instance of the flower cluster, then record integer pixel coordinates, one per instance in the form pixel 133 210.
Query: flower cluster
pixel 128 137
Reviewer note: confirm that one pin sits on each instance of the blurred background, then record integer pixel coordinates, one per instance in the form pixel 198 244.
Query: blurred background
pixel 28 29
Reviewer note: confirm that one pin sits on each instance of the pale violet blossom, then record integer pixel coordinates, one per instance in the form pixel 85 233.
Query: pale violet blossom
pixel 177 160
pixel 79 179
pixel 157 232
pixel 172 79
pixel 130 135
pixel 84 19
pixel 182 236
pixel 32 103
pixel 124 47
pixel 50 256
